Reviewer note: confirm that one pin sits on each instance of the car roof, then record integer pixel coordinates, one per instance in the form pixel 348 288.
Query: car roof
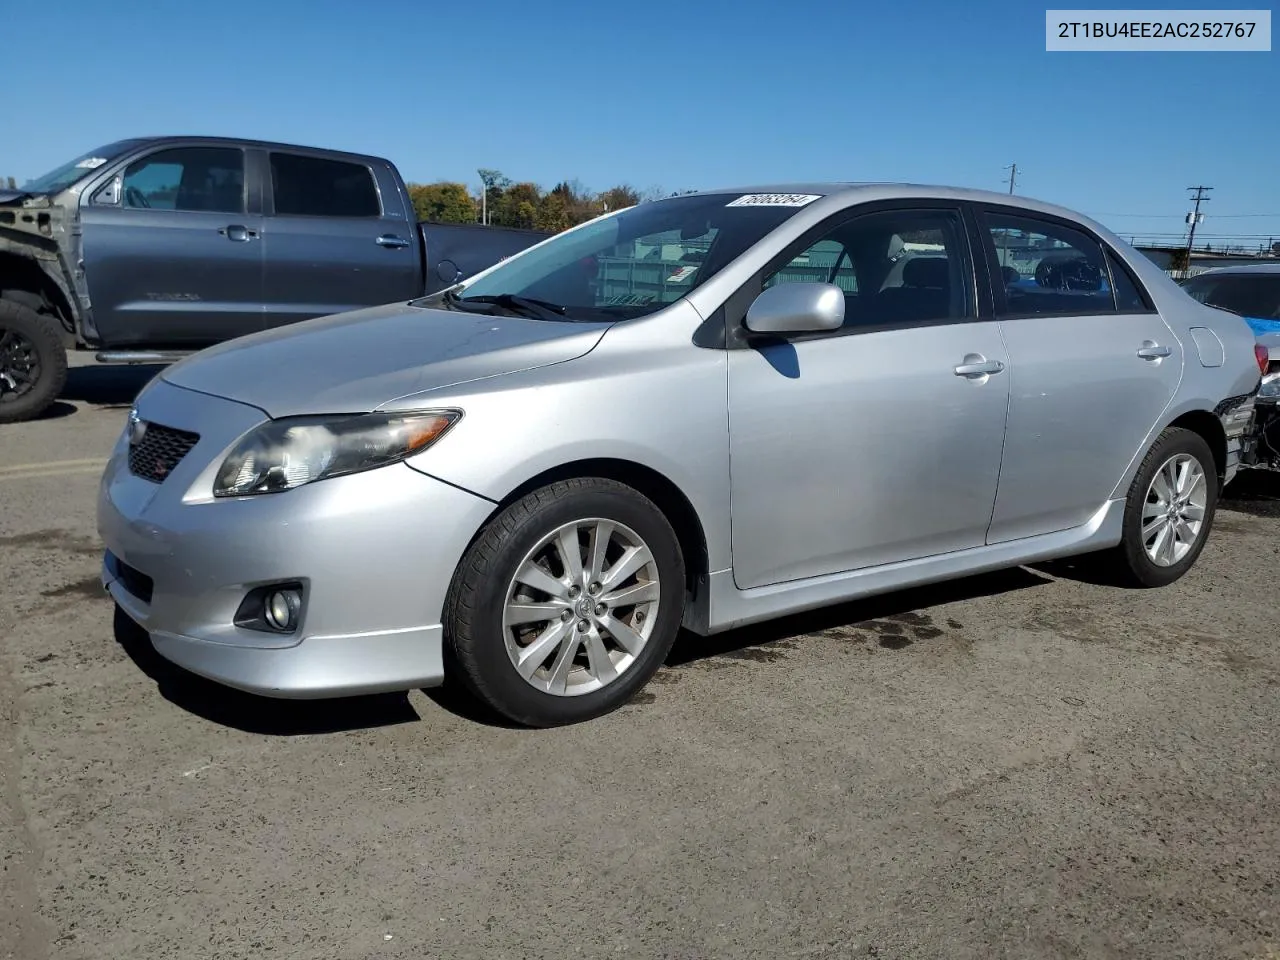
pixel 1241 268
pixel 890 190
pixel 251 144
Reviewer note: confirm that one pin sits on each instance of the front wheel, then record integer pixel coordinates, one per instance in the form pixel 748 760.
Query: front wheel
pixel 567 603
pixel 1169 510
pixel 33 362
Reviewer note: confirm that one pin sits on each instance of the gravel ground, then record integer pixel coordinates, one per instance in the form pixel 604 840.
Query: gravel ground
pixel 1017 765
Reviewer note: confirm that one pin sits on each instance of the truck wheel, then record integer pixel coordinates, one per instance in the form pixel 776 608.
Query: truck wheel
pixel 33 362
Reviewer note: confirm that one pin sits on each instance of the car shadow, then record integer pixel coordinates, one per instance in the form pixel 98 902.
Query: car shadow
pixel 1253 491
pixel 909 607
pixel 108 386
pixel 253 714
pixel 272 717
pixel 55 411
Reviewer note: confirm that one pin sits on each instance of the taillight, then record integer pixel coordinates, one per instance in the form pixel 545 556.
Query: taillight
pixel 1263 356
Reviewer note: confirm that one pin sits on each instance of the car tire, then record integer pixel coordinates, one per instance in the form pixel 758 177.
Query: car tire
pixel 562 637
pixel 1147 514
pixel 30 343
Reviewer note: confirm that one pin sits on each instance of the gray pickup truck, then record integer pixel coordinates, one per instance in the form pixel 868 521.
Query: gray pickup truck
pixel 145 250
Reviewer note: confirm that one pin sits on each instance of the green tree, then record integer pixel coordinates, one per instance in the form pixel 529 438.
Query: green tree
pixel 616 198
pixel 494 186
pixel 553 213
pixel 517 207
pixel 443 202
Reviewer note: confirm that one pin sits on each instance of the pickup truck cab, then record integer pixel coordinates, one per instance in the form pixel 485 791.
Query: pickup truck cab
pixel 148 249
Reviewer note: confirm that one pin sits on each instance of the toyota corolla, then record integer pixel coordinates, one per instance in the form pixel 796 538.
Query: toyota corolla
pixel 699 412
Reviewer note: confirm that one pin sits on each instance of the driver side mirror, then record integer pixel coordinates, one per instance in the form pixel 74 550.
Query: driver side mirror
pixel 797 308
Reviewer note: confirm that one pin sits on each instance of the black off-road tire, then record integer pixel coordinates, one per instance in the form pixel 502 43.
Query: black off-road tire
pixel 475 648
pixel 1128 561
pixel 42 333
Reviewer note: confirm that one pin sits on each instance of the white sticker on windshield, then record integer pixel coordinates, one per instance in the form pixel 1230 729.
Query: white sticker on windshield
pixel 774 200
pixel 681 274
pixel 91 163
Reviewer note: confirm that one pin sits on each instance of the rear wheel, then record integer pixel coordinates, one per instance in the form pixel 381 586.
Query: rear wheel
pixel 1169 510
pixel 567 603
pixel 33 362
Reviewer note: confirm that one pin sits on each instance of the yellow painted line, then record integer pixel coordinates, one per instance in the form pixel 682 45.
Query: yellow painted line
pixel 53 465
pixel 55 468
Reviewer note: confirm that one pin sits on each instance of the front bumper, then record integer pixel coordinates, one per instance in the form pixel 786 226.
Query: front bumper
pixel 374 551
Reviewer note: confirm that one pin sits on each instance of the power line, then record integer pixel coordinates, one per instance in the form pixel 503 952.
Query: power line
pixel 1176 216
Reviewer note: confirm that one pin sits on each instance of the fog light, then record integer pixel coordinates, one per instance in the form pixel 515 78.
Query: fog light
pixel 271 608
pixel 281 610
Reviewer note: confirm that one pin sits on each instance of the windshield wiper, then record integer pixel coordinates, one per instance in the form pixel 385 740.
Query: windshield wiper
pixel 529 306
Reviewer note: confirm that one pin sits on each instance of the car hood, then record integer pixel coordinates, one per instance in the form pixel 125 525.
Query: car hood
pixel 355 362
pixel 11 196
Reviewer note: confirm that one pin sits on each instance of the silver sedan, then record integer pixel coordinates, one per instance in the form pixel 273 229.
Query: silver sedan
pixel 699 412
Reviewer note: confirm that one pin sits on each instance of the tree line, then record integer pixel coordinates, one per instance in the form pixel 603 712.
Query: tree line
pixel 524 205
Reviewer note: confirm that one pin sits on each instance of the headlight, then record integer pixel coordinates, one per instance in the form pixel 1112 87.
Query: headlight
pixel 1270 385
pixel 283 454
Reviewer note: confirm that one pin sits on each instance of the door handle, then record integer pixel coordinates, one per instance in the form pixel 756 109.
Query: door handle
pixel 1150 350
pixel 238 232
pixel 976 365
pixel 391 240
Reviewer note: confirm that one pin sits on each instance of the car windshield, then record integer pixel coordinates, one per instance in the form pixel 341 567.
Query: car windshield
pixel 634 262
pixel 1248 294
pixel 67 174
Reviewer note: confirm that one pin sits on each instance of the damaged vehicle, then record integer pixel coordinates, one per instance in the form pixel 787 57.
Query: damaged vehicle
pixel 1252 291
pixel 147 250
pixel 705 411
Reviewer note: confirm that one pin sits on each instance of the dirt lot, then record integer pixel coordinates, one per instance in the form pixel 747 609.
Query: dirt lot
pixel 1020 765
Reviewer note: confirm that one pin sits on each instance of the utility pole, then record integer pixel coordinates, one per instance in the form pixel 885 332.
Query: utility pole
pixel 1013 175
pixel 1195 217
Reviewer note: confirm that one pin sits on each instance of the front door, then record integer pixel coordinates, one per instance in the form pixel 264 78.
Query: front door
pixel 881 441
pixel 171 256
pixel 1093 367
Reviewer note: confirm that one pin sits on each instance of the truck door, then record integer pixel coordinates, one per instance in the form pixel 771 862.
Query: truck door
pixel 333 241
pixel 171 255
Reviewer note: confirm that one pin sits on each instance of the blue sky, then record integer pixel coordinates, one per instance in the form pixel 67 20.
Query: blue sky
pixel 671 95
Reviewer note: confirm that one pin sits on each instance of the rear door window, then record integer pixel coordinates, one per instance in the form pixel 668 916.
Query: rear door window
pixel 320 187
pixel 1045 267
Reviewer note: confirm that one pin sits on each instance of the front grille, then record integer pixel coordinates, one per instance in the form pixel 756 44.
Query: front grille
pixel 159 451
pixel 135 581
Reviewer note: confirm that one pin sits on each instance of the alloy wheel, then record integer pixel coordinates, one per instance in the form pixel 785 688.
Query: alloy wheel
pixel 1174 509
pixel 19 365
pixel 581 607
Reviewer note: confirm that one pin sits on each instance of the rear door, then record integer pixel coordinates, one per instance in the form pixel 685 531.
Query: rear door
pixel 1093 367
pixel 335 239
pixel 172 255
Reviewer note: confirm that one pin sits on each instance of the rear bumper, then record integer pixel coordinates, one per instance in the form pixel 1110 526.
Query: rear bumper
pixel 1238 418
pixel 1262 441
